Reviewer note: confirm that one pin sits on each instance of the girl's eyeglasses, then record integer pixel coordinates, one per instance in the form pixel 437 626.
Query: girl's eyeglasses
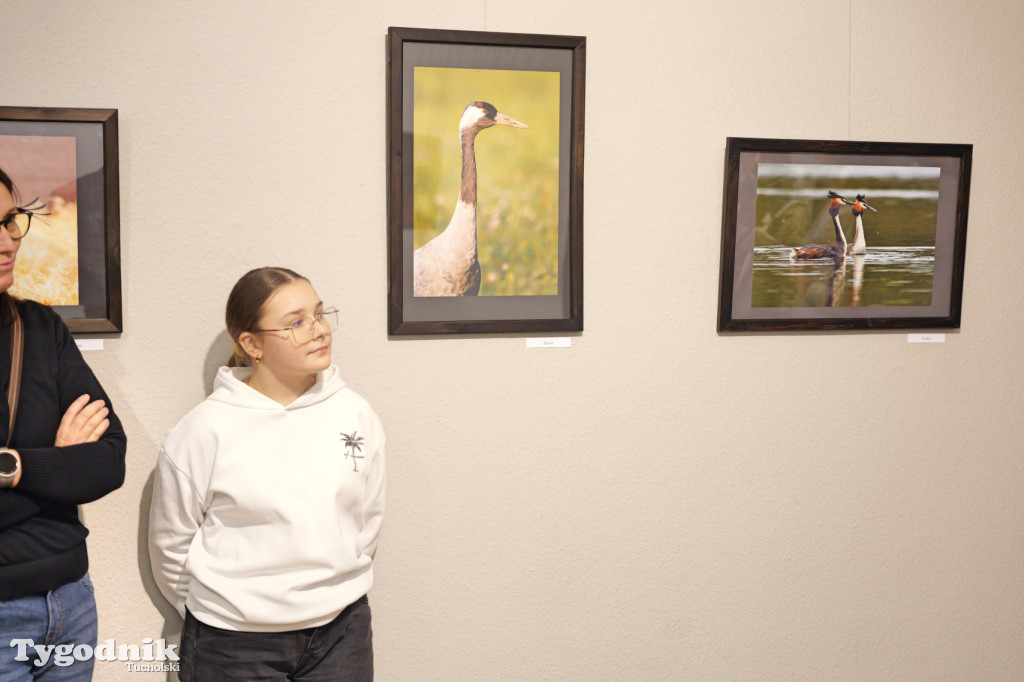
pixel 304 329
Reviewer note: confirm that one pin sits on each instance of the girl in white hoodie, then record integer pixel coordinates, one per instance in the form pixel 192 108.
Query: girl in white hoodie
pixel 268 501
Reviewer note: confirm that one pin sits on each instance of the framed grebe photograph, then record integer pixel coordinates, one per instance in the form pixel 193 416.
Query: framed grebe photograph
pixel 832 235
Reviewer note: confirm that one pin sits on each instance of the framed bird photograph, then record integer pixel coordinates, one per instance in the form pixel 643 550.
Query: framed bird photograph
pixel 834 235
pixel 485 182
pixel 64 167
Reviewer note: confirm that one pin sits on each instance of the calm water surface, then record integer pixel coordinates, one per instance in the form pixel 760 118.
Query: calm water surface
pixel 885 276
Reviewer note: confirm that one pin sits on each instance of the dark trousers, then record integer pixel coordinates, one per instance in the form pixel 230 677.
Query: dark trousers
pixel 340 651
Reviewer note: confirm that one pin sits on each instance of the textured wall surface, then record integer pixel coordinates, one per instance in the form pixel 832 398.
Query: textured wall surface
pixel 657 502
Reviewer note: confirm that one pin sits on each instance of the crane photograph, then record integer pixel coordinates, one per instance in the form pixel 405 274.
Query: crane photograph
pixel 485 182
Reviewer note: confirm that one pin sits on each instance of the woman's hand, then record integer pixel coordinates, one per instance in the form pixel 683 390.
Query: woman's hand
pixel 84 422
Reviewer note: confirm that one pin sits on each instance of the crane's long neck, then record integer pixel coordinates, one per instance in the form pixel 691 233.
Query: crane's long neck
pixel 462 229
pixel 467 190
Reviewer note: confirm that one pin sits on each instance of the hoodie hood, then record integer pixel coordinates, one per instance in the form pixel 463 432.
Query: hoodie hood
pixel 229 387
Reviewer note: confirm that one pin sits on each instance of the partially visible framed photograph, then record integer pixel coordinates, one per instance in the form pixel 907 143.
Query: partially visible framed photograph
pixel 66 161
pixel 824 235
pixel 485 182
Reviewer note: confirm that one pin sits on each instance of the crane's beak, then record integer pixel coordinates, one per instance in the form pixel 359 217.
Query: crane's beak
pixel 503 120
pixel 870 208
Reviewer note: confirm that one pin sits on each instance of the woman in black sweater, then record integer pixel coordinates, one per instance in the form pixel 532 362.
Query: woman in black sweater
pixel 67 448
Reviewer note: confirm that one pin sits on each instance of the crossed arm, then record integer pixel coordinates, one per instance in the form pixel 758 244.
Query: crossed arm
pixel 84 422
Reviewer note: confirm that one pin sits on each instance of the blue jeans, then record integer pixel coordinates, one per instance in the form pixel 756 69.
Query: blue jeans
pixel 340 651
pixel 66 616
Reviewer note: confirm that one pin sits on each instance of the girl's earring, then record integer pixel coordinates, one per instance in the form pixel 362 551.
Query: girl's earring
pixel 258 358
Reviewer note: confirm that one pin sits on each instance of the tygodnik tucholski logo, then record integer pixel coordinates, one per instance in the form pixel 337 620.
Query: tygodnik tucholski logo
pixel 152 656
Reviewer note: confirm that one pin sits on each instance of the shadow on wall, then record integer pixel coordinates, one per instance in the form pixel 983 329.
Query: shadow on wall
pixel 220 352
pixel 216 357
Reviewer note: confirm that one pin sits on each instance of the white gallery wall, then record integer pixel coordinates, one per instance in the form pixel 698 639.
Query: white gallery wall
pixel 657 502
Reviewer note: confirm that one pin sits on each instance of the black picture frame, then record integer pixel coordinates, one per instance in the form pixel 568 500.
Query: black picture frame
pixel 778 188
pixel 96 194
pixel 559 308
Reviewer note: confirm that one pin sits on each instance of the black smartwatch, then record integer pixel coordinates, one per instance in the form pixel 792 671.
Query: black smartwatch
pixel 10 465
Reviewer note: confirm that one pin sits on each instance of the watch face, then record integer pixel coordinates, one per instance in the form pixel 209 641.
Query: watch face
pixel 8 463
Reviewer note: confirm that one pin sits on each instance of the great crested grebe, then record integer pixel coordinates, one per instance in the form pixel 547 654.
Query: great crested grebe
pixel 859 246
pixel 836 250
pixel 447 265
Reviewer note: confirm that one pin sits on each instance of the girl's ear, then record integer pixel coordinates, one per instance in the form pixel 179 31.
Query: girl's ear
pixel 250 344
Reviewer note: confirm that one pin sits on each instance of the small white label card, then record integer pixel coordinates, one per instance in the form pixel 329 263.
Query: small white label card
pixel 89 344
pixel 552 342
pixel 926 338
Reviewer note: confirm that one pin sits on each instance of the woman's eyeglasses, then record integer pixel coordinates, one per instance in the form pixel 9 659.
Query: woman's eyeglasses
pixel 304 329
pixel 20 219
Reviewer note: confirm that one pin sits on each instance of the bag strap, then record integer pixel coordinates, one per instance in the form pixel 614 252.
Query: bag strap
pixel 17 348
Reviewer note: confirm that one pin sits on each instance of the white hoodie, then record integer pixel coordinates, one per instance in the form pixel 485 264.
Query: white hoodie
pixel 265 517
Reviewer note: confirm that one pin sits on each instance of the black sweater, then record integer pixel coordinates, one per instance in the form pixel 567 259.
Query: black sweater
pixel 42 541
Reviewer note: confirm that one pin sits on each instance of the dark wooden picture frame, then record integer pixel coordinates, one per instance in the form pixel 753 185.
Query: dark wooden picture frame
pixel 89 190
pixel 910 200
pixel 494 71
